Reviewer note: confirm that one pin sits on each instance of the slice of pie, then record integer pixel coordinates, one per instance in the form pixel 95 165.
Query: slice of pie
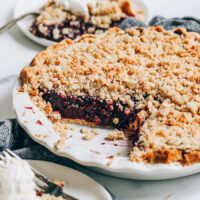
pixel 57 23
pixel 143 81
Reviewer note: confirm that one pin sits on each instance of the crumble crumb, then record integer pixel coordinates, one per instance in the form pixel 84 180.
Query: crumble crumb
pixel 60 143
pixel 115 135
pixel 65 30
pixel 47 106
pixel 46 135
pixel 119 153
pixel 56 33
pixel 95 131
pixel 55 116
pixel 116 120
pixel 38 135
pixel 60 128
pixel 20 90
pixel 69 128
pixel 89 136
pixel 111 158
pixel 84 130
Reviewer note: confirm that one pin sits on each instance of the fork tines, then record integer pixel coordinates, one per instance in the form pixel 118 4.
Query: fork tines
pixel 43 183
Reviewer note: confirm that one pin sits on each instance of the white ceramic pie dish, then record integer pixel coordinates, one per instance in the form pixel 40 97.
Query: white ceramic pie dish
pixel 23 7
pixel 94 153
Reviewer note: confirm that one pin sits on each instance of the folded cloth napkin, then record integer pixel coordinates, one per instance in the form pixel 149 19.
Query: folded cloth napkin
pixel 12 136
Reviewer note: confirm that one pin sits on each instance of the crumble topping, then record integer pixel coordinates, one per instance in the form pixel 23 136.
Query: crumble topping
pixel 159 68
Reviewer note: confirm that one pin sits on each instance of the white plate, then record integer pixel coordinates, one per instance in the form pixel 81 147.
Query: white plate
pixel 23 7
pixel 77 184
pixel 92 153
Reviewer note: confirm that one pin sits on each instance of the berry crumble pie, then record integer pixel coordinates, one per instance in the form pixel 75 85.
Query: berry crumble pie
pixel 145 81
pixel 78 17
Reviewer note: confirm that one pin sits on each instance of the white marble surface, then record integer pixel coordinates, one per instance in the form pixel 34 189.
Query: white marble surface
pixel 16 51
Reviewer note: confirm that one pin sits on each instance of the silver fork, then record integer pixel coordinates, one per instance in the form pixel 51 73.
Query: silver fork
pixel 14 21
pixel 44 184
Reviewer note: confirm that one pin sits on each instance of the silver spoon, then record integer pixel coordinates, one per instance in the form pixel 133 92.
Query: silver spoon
pixel 14 21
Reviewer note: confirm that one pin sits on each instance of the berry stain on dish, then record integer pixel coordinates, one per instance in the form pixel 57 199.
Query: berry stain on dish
pixel 30 108
pixel 96 152
pixel 39 122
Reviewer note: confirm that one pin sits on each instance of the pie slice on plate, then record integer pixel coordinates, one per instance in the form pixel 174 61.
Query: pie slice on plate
pixel 145 82
pixel 59 21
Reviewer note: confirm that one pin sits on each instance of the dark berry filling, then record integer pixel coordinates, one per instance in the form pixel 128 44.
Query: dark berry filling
pixel 91 109
pixel 74 29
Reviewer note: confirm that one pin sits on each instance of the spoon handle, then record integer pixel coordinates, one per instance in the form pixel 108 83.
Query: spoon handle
pixel 14 21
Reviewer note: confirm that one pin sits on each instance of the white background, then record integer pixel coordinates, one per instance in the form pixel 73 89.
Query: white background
pixel 16 51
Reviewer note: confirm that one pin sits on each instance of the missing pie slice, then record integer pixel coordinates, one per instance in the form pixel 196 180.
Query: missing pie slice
pixel 143 81
pixel 56 23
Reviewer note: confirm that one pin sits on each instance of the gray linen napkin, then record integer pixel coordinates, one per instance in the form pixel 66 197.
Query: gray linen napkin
pixel 12 136
pixel 191 24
